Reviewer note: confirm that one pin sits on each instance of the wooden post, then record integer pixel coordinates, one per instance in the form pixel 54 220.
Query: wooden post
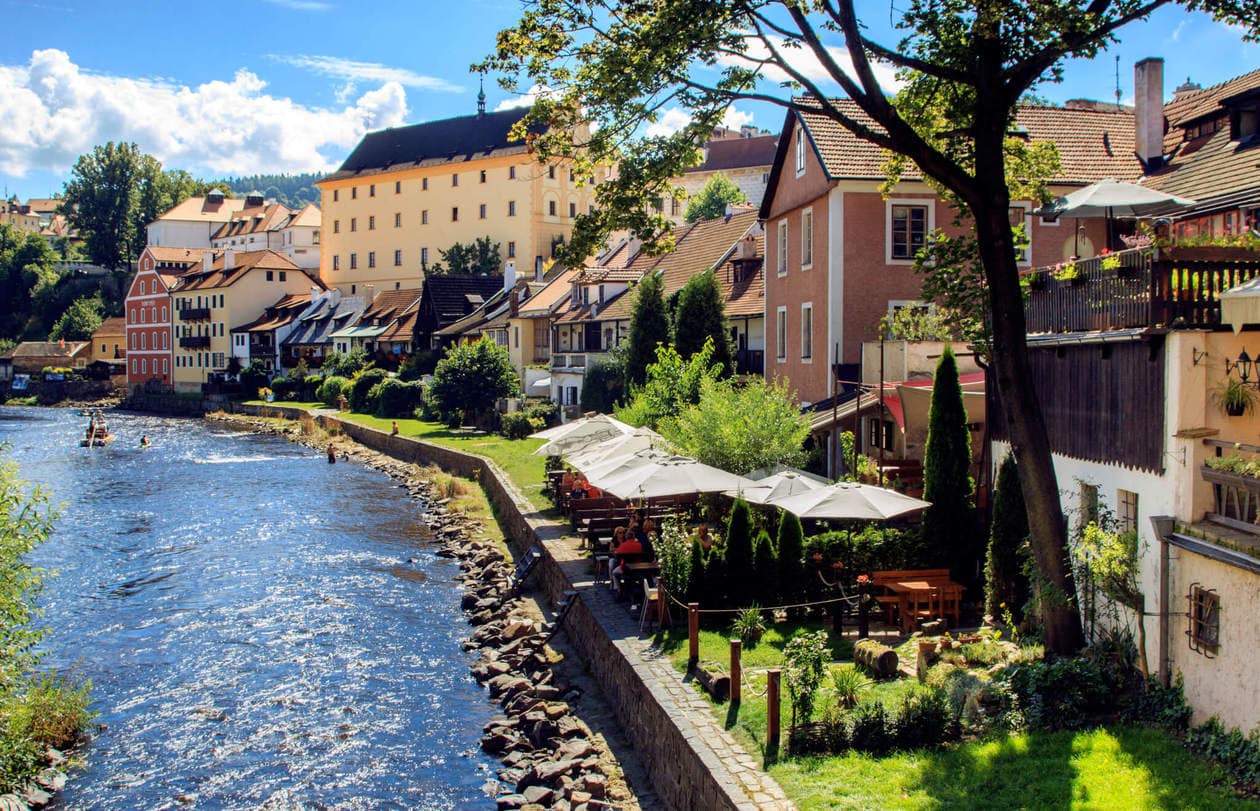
pixel 662 605
pixel 693 633
pixel 864 622
pixel 735 670
pixel 772 708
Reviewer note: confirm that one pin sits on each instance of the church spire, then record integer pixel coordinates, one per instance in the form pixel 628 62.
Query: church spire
pixel 481 98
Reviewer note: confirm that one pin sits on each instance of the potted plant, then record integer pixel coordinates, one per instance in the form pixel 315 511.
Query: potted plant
pixel 1235 397
pixel 749 624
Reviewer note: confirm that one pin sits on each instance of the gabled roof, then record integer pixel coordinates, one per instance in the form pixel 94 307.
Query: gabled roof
pixel 390 304
pixel 490 308
pixel 1190 106
pixel 169 263
pixel 43 205
pixel 552 293
pixel 607 275
pixel 322 319
pixel 112 326
pixel 448 294
pixel 403 327
pixel 203 209
pixel 253 221
pixel 310 216
pixel 452 139
pixel 197 278
pixel 279 314
pixel 47 349
pixel 738 153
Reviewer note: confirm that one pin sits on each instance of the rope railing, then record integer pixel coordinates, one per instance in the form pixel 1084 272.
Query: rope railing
pixel 844 598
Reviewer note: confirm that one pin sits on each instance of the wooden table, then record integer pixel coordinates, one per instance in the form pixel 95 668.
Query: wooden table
pixel 912 592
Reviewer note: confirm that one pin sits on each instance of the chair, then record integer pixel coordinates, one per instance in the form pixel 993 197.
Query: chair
pixel 926 605
pixel 651 610
pixel 603 565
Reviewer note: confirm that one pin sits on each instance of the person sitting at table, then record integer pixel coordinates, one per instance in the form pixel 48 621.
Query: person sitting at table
pixel 622 548
pixel 645 534
pixel 566 481
pixel 579 486
pixel 703 536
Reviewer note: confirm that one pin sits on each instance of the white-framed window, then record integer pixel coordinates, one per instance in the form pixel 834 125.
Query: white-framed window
pixel 807 331
pixel 336 262
pixel 142 287
pixel 1126 510
pixel 144 340
pixel 780 334
pixel 907 223
pixel 781 261
pixel 424 256
pixel 165 367
pixel 807 239
pixel 1022 213
pixel 144 366
pixel 800 151
pixel 135 367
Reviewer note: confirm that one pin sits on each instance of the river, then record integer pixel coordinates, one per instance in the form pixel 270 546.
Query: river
pixel 260 628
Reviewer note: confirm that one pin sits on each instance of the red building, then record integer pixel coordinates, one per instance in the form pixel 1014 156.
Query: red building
pixel 148 314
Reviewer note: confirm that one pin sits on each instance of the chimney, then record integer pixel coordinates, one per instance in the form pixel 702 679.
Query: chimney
pixel 207 260
pixel 514 302
pixel 509 275
pixel 1148 112
pixel 229 259
pixel 369 293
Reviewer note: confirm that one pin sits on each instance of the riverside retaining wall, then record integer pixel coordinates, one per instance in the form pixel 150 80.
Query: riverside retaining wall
pixel 692 761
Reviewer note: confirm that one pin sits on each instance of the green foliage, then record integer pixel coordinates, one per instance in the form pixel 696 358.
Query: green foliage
pixel 360 389
pixel 518 425
pixel 791 574
pixel 394 398
pixel 40 712
pixel 673 552
pixel 1058 694
pixel 1005 583
pixel 710 202
pixel 331 388
pixel 1238 753
pixel 604 383
pixel 27 279
pixel 672 385
pixel 871 548
pixel 849 685
pixel 869 729
pixel 766 561
pixel 700 318
pixel 649 326
pixel 471 377
pixel 948 529
pixel 79 321
pixel 918 324
pixel 294 191
pixel 740 563
pixel 344 364
pixel 749 625
pixel 480 257
pixel 253 378
pixel 924 720
pixel 696 574
pixel 804 663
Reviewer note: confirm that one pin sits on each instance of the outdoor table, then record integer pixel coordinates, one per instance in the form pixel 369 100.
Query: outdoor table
pixel 913 592
pixel 632 573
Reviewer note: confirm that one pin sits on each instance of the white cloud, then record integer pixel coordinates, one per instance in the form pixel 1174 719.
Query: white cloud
pixel 807 64
pixel 302 5
pixel 526 99
pixel 675 118
pixel 53 112
pixel 352 71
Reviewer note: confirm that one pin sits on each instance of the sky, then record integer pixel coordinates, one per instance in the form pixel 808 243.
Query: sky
pixel 262 86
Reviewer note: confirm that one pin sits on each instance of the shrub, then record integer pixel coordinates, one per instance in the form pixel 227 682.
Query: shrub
pixel 283 388
pixel 48 711
pixel 394 398
pixel 1058 694
pixel 545 411
pixel 361 387
pixel 765 561
pixel 741 572
pixel 1161 706
pixel 604 384
pixel 790 574
pixel 471 377
pixel 1004 579
pixel 518 425
pixel 869 730
pixel 330 389
pixel 873 548
pixel 749 625
pixel 804 660
pixel 924 720
pixel 344 364
pixel 849 684
pixel 1238 753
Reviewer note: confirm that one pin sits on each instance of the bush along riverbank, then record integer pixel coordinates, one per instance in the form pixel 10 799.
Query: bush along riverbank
pixel 41 714
pixel 550 756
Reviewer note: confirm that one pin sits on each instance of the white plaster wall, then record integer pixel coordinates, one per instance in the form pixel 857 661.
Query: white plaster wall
pixel 177 234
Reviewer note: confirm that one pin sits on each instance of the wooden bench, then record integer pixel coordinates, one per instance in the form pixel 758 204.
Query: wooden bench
pixel 943 596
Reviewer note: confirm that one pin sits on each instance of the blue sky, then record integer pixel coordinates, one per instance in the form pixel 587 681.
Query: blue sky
pixel 291 85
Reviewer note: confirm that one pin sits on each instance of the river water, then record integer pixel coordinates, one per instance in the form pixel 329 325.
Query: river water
pixel 261 628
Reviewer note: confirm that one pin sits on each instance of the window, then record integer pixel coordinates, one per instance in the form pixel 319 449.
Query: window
pixel 336 226
pixel 481 211
pixel 397 258
pixel 397 187
pixel 1020 214
pixel 511 250
pixel 551 172
pixel 354 224
pixel 807 238
pixel 424 217
pixel 336 263
pixel 354 261
pixel 424 184
pixel 354 192
pixel 165 369
pixel 336 195
pixel 573 209
pixel 907 230
pixel 879 434
pixel 372 190
pixel 807 331
pixel 1088 503
pixel 271 276
pixel 780 334
pixel 455 179
pixel 455 214
pixel 398 219
pixel 371 259
pixel 511 173
pixel 800 151
pixel 144 340
pixel 511 208
pixel 1127 515
pixel 1205 620
pixel 144 315
pixel 483 175
pixel 142 287
pixel 372 223
pixel 144 366
pixel 551 208
pixel 284 276
pixel 780 264
pixel 1244 121
pixel 424 257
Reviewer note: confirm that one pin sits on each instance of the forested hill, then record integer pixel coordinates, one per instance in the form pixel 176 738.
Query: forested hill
pixel 293 191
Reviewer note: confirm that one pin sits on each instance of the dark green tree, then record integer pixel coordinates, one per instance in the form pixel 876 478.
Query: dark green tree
pixel 471 377
pixel 695 579
pixel 948 524
pixel 711 201
pixel 649 326
pixel 604 384
pixel 26 266
pixel 790 575
pixel 478 258
pixel 1005 580
pixel 765 559
pixel 100 200
pixel 717 588
pixel 79 321
pixel 701 315
pixel 741 562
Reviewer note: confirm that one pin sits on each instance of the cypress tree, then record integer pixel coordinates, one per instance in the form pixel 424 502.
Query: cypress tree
pixel 741 574
pixel 766 561
pixel 947 524
pixel 695 578
pixel 701 314
pixel 1004 578
pixel 791 563
pixel 715 591
pixel 648 327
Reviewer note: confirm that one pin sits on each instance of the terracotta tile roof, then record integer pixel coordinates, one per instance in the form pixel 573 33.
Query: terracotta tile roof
pixel 201 209
pixel 602 275
pixel 1188 107
pixel 1208 167
pixel 279 314
pixel 112 326
pixel 389 304
pixel 47 349
pixel 738 153
pixel 43 205
pixel 254 220
pixel 310 215
pixel 553 292
pixel 402 329
pixel 1093 144
pixel 197 278
pixel 186 256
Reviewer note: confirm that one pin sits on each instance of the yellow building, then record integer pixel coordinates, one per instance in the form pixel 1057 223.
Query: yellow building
pixel 221 292
pixel 109 342
pixel 405 194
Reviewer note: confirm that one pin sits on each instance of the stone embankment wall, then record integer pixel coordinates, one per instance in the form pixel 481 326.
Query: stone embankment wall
pixel 692 761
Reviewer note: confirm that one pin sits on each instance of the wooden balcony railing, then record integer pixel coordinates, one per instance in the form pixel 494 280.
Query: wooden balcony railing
pixel 750 361
pixel 194 313
pixel 1178 287
pixel 194 341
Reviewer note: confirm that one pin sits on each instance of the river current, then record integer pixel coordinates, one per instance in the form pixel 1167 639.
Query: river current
pixel 261 628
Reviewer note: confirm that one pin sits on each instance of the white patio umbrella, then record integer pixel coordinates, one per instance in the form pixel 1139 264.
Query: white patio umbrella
pixel 582 435
pixel 1112 198
pixel 617 465
pixel 565 429
pixel 850 500
pixel 671 476
pixel 778 486
pixel 641 439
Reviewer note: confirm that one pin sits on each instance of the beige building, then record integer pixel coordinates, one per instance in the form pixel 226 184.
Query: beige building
pixel 217 294
pixel 261 226
pixel 194 222
pixel 109 342
pixel 405 194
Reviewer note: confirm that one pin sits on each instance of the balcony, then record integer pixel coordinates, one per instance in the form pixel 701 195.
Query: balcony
pixel 194 314
pixel 1175 288
pixel 569 360
pixel 750 361
pixel 194 341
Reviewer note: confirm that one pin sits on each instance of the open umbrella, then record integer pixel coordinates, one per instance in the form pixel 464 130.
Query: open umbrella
pixel 671 476
pixel 1114 199
pixel 778 486
pixel 582 434
pixel 850 500
pixel 616 465
pixel 641 439
pixel 568 427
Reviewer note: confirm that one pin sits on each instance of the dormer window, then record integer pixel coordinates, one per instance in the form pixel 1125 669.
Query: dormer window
pixel 1244 121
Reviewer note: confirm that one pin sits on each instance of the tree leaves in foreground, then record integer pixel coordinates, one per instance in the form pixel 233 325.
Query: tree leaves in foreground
pixel 740 427
pixel 80 320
